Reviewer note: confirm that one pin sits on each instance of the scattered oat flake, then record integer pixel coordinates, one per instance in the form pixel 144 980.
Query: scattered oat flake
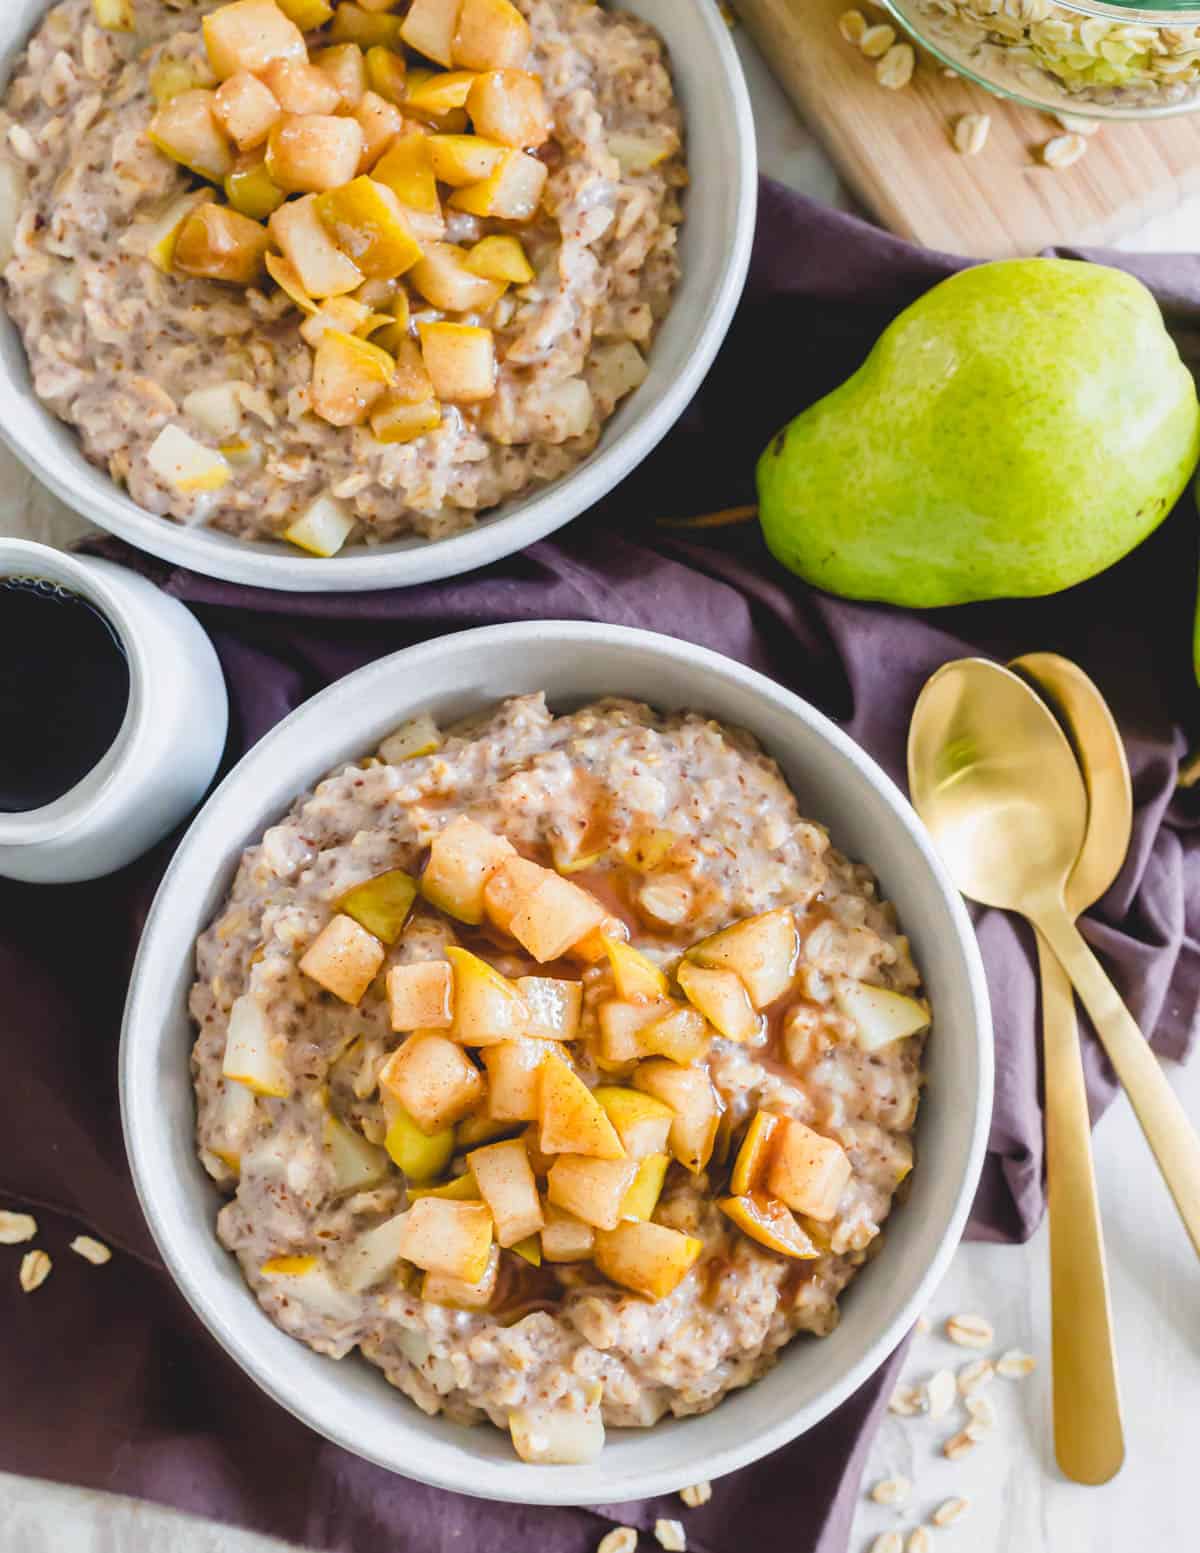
pixel 1063 150
pixel 852 25
pixel 35 1269
pixel 970 1331
pixel 895 70
pixel 1015 1364
pixel 940 1392
pixel 670 1535
pixel 922 1326
pixel 906 1401
pixel 697 1494
pixel 876 41
pixel 892 1491
pixel 623 1539
pixel 958 1445
pixel 920 1541
pixel 888 1542
pixel 90 1250
pixel 1077 126
pixel 971 131
pixel 953 1510
pixel 16 1227
pixel 982 1411
pixel 975 1376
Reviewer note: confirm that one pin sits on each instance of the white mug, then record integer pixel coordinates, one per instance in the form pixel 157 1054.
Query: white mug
pixel 166 751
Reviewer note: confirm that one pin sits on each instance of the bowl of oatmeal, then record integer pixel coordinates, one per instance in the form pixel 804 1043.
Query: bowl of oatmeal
pixel 557 1022
pixel 370 303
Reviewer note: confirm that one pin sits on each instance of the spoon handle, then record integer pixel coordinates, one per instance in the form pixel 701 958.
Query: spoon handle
pixel 1088 1439
pixel 1165 1123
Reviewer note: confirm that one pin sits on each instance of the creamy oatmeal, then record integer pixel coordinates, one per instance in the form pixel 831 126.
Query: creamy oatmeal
pixel 559 1066
pixel 345 285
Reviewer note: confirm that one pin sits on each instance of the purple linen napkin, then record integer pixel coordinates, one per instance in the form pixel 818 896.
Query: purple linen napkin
pixel 111 1383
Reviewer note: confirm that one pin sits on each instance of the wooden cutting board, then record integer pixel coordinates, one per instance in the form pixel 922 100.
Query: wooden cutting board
pixel 894 149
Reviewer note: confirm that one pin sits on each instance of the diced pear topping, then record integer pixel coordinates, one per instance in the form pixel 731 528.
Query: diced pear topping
pixel 247 110
pixel 638 154
pixel 114 15
pixel 529 1250
pixel 461 858
pixel 218 243
pixel 487 1006
pixel 636 976
pixel 418 736
pixel 349 376
pixel 617 370
pixel 429 29
pixel 440 93
pixel 185 464
pixel 218 408
pixel 373 1256
pixel 442 278
pixel 642 1197
pixel 512 191
pixel 460 360
pixel 172 77
pixel 343 958
pixel 420 995
pixel 233 1117
pixel 457 1293
pixel 461 160
pixel 768 1221
pixel 163 232
pixel 312 152
pixel 621 1025
pixel 566 1238
pixel 380 123
pixel 406 167
pixel 251 1056
pixel 750 1167
pixel 506 1184
pixel 546 914
pixel 366 221
pixel 723 1000
pixel 346 67
pixel 448 1237
pixel 479 1128
pixel 308 15
pixel 250 189
pixel 434 1080
pixel 283 272
pixel 508 887
pixel 648 1258
pixel 382 905
pixel 342 314
pixel 557 1436
pixel 509 106
pixel 697 1108
pixel 683 1034
pixel 423 1156
pixel 572 1120
pixel 356 1163
pixel 354 24
pixel 500 257
pixel 300 88
pixel 762 950
pixel 591 1189
pixel 386 73
pixel 323 528
pixel 879 1015
pixel 554 1006
pixel 490 35
pixel 642 1122
pixel 808 1172
pixel 514 1087
pixel 248 35
pixel 186 130
pixel 398 420
pixel 320 265
pixel 460 1189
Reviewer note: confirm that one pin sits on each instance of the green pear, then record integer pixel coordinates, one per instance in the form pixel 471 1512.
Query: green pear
pixel 1019 428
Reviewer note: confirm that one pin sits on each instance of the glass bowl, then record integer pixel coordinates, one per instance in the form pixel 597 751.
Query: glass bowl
pixel 1077 57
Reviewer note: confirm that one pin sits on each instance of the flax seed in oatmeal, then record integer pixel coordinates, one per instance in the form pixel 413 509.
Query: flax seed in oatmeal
pixel 563 1164
pixel 210 401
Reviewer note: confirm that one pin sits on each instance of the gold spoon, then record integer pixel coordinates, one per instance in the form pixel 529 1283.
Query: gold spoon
pixel 994 779
pixel 1088 1438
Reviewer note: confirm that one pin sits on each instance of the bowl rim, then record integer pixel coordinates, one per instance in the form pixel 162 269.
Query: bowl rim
pixel 544 510
pixel 515 1481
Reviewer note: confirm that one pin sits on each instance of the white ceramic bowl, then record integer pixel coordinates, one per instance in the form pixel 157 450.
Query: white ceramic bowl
pixel 835 782
pixel 715 253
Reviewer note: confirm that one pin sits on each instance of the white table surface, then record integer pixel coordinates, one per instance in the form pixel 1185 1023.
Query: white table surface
pixel 1019 1502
